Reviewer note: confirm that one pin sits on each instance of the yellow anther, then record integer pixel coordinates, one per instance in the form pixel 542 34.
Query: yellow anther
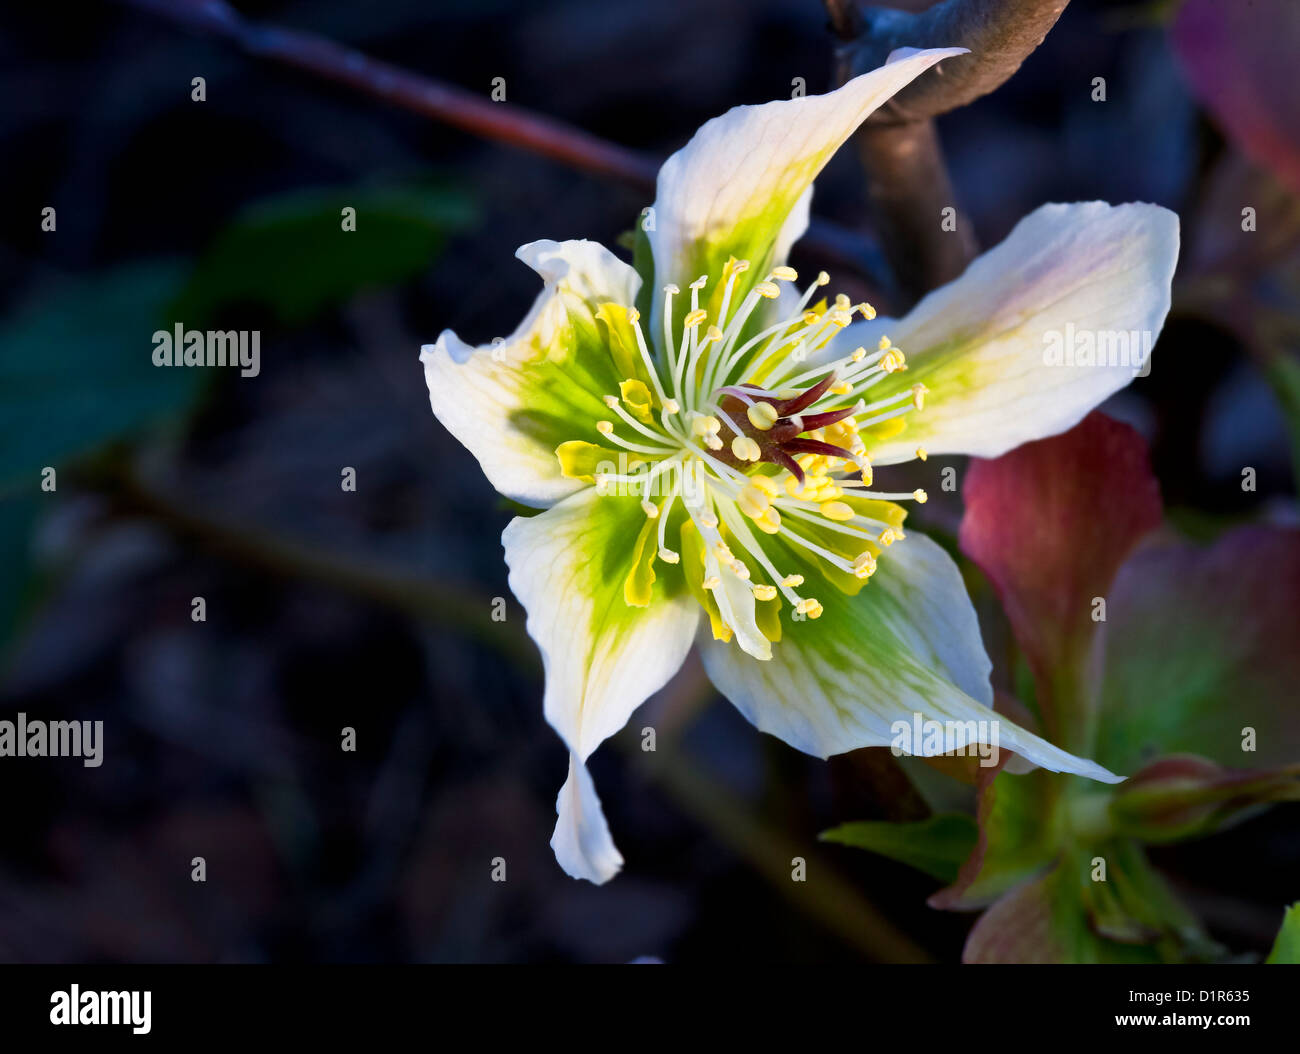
pixel 838 511
pixel 918 396
pixel 770 290
pixel 713 442
pixel 765 592
pixel 766 485
pixel 650 508
pixel 762 416
pixel 610 400
pixel 671 289
pixel 605 427
pixel 886 537
pixel 809 606
pixel 811 318
pixel 702 425
pixel 921 453
pixel 740 267
pixel 792 486
pixel 694 318
pixel 740 570
pixel 864 566
pixel 671 406
pixel 858 355
pixel 669 557
pixel 842 302
pixel 753 502
pixel 868 312
pixel 633 315
pixel 921 496
pixel 712 582
pixel 770 521
pixel 893 360
pixel 785 274
pixel 841 318
pixel 792 581
pixel 713 333
pixel 843 388
pixel 708 520
pixel 883 344
pixel 700 282
pixel 745 448
pixel 823 278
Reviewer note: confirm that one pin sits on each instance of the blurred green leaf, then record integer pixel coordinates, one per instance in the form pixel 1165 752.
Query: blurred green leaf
pixel 936 846
pixel 291 253
pixel 76 368
pixel 1286 949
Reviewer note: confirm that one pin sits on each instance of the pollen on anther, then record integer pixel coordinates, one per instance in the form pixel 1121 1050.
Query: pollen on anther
pixel 650 508
pixel 671 406
pixel 712 582
pixel 669 557
pixel 785 274
pixel 765 592
pixel 921 496
pixel 605 427
pixel 921 453
pixel 770 290
pixel 792 581
pixel 762 416
pixel 610 400
pixel 694 318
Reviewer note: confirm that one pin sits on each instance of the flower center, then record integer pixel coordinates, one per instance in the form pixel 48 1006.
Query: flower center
pixel 733 427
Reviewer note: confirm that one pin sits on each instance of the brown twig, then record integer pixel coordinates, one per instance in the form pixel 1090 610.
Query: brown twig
pixel 470 111
pixel 908 184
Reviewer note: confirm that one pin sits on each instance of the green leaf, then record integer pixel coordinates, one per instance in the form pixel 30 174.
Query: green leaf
pixel 292 255
pixel 76 368
pixel 936 846
pixel 1286 949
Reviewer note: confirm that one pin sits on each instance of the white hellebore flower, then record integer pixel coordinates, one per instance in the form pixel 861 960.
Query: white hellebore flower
pixel 705 462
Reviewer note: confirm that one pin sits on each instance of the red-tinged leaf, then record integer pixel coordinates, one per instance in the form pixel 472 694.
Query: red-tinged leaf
pixel 1050 523
pixel 1239 59
pixel 1202 654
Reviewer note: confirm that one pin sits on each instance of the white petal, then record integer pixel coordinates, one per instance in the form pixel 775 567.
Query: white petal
pixel 984 345
pixel 583 845
pixel 602 658
pixel 907 644
pixel 733 187
pixel 506 402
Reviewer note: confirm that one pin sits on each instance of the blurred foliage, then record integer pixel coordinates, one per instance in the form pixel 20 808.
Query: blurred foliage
pixel 292 254
pixel 76 368
pixel 1287 947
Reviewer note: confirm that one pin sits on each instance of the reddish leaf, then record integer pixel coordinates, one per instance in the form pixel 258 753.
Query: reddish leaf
pixel 1050 524
pixel 1239 57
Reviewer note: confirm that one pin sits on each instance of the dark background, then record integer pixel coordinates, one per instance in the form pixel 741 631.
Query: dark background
pixel 371 609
